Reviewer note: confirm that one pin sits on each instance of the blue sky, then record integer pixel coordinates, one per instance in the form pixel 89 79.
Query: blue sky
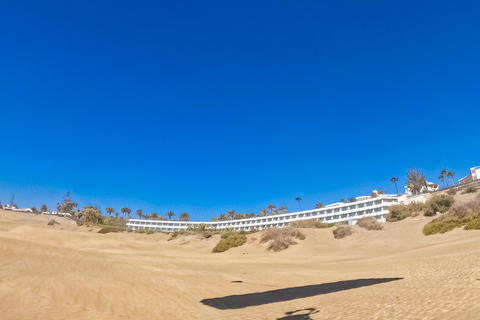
pixel 208 106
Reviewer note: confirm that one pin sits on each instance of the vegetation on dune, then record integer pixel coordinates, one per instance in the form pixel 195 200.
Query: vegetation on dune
pixel 467 214
pixel 310 223
pixel 52 222
pixel 342 232
pixel 369 223
pixel 279 239
pixel 230 239
pixel 400 211
pixel 109 229
pixel 470 189
pixel 439 203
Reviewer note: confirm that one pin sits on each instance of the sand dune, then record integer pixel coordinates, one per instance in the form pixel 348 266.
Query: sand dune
pixel 67 272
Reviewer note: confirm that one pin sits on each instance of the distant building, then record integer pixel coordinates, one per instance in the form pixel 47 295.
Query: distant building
pixel 430 187
pixel 350 212
pixel 474 175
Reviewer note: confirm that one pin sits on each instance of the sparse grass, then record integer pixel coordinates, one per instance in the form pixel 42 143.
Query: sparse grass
pixel 230 239
pixel 369 223
pixel 440 203
pixel 400 211
pixel 281 238
pixel 342 232
pixel 52 222
pixel 456 217
pixel 470 189
pixel 474 223
pixel 110 229
pixel 310 223
pixel 452 192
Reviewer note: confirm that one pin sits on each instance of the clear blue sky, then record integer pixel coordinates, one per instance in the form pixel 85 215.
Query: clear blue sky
pixel 207 106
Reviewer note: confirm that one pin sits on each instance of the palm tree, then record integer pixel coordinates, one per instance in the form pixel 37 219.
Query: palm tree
pixel 43 208
pixel 442 179
pixel 283 210
pixel 140 213
pixel 222 217
pixel 109 211
pixel 262 213
pixel 443 173
pixel 146 216
pixel 451 174
pixel 125 211
pixel 154 215
pixel 116 215
pixel 352 199
pixel 270 209
pixel 319 205
pixel 170 214
pixel 299 199
pixel 395 179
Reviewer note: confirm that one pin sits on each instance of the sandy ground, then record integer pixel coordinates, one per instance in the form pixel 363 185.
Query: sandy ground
pixel 66 272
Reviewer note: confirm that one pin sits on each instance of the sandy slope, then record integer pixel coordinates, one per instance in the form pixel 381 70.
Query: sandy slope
pixel 65 272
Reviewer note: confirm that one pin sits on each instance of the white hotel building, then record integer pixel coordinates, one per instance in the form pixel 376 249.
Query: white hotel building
pixel 349 211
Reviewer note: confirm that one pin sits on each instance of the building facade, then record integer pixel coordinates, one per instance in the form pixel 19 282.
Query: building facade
pixel 350 211
pixel 474 175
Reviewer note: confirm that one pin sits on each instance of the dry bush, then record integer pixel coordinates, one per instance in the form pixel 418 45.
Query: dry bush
pixel 110 229
pixel 470 189
pixel 400 211
pixel 452 192
pixel 52 222
pixel 342 232
pixel 458 216
pixel 440 203
pixel 281 238
pixel 369 223
pixel 230 239
pixel 466 209
pixel 310 223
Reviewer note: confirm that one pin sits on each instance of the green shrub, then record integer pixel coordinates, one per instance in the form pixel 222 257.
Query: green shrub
pixel 342 232
pixel 440 203
pixel 310 223
pixel 474 223
pixel 229 240
pixel 281 238
pixel 444 224
pixel 452 192
pixel 369 223
pixel 470 189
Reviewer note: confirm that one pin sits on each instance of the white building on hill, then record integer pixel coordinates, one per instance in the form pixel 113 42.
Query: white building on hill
pixel 474 175
pixel 349 211
pixel 430 187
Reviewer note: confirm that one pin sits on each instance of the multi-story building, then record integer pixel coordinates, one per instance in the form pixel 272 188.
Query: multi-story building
pixel 474 175
pixel 377 207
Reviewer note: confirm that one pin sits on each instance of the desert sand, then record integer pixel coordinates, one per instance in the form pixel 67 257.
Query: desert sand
pixel 70 272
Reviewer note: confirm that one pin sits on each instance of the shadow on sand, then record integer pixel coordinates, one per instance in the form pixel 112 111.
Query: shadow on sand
pixel 302 314
pixel 260 298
